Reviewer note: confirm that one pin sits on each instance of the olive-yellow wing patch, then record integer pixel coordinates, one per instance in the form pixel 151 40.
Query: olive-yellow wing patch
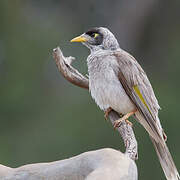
pixel 136 89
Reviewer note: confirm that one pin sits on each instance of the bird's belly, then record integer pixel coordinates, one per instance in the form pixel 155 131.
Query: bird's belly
pixel 108 92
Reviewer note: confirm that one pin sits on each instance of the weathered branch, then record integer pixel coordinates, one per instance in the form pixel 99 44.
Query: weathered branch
pixel 72 75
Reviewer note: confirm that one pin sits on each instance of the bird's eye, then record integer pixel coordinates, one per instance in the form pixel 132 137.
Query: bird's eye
pixel 94 35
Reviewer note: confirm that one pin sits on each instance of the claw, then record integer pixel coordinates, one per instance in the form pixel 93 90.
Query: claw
pixel 118 122
pixel 129 122
pixel 164 136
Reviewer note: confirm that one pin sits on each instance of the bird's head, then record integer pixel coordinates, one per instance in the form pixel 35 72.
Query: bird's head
pixel 98 38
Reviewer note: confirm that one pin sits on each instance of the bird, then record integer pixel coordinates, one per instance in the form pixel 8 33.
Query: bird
pixel 118 82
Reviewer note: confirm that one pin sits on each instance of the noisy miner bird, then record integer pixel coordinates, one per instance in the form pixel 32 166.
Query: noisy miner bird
pixel 117 82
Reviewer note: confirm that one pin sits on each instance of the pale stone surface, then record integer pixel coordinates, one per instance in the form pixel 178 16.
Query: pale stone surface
pixel 103 164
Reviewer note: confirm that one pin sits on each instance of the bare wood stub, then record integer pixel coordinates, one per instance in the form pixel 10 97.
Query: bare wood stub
pixel 71 74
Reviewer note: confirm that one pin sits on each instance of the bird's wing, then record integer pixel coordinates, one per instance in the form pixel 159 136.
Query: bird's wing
pixel 139 89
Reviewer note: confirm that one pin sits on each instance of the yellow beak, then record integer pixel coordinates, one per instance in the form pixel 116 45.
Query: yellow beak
pixel 79 39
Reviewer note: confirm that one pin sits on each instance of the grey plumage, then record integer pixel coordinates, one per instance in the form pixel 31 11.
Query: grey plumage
pixel 116 80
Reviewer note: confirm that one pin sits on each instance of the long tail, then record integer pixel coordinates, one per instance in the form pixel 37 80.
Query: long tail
pixel 162 150
pixel 166 160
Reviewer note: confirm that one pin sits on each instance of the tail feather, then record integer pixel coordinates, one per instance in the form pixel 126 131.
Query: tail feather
pixel 161 148
pixel 166 160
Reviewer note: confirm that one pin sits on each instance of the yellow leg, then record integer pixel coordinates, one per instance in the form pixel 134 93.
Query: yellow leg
pixel 124 118
pixel 107 111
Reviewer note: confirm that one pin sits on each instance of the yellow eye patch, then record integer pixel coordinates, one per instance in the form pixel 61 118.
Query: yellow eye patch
pixel 95 35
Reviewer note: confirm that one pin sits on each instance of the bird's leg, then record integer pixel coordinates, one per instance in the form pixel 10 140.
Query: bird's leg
pixel 124 118
pixel 106 112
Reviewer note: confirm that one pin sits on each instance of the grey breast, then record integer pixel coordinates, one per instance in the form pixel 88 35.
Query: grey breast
pixel 104 84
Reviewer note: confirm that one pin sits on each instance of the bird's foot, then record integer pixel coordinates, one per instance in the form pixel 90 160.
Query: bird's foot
pixel 118 122
pixel 124 118
pixel 107 111
pixel 129 122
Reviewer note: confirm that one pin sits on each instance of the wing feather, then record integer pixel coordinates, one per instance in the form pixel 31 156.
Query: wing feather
pixel 139 89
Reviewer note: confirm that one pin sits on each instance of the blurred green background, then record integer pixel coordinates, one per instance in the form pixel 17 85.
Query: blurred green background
pixel 44 117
